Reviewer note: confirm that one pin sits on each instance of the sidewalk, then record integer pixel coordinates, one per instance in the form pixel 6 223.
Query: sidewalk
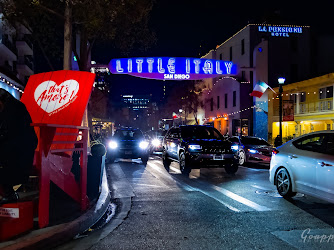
pixel 63 228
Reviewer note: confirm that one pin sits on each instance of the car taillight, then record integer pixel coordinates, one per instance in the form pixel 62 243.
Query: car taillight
pixel 275 151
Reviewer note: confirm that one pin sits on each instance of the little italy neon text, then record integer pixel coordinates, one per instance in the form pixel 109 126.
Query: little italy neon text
pixel 172 68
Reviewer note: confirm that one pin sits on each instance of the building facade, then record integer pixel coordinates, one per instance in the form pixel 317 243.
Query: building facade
pixel 264 53
pixel 16 60
pixel 308 106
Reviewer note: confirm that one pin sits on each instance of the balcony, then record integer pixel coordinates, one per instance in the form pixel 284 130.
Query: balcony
pixel 316 107
pixel 25 65
pixel 312 108
pixel 7 49
pixel 25 46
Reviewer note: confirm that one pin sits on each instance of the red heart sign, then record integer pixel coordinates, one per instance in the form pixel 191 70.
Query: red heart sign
pixel 58 97
pixel 52 97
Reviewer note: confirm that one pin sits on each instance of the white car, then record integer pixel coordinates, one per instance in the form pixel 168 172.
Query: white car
pixel 305 165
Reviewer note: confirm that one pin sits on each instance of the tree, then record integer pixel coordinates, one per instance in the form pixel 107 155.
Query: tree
pixel 185 95
pixel 125 22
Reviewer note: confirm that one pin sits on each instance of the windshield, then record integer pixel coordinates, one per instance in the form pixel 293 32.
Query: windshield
pixel 128 134
pixel 198 132
pixel 253 141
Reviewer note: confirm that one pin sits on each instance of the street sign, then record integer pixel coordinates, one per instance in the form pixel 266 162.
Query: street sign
pixel 172 68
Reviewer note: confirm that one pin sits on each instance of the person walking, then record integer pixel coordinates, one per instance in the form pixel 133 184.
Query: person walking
pixel 18 142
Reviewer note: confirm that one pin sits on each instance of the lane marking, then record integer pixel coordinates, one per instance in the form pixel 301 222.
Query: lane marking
pixel 217 199
pixel 260 187
pixel 254 169
pixel 241 199
pixel 229 194
pixel 148 185
pixel 190 188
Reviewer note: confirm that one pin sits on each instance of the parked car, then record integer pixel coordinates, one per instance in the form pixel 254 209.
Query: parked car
pixel 305 164
pixel 252 149
pixel 196 146
pixel 128 143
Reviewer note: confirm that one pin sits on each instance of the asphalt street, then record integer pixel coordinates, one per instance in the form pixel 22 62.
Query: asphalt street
pixel 208 209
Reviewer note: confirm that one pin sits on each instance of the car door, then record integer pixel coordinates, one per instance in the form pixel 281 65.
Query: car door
pixel 303 160
pixel 171 142
pixel 174 143
pixel 325 170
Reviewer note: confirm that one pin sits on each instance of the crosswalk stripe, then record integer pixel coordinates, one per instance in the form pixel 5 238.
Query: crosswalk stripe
pixel 225 192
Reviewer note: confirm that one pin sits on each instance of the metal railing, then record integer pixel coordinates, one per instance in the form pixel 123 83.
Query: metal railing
pixel 312 107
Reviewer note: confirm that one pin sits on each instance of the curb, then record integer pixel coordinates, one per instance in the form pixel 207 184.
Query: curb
pixel 123 200
pixel 51 237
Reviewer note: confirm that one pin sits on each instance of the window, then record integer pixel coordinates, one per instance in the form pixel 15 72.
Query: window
pixel 198 132
pixel 329 144
pixel 175 133
pixel 242 46
pixel 234 98
pixel 251 76
pixel 221 56
pixel 302 97
pixel 312 143
pixel 231 57
pixel 234 139
pixel 243 75
pixel 218 102
pixel 211 104
pixel 326 92
pixel 226 101
pixel 329 92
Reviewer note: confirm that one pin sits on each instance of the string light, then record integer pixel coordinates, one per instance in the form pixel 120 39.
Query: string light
pixel 4 80
pixel 256 105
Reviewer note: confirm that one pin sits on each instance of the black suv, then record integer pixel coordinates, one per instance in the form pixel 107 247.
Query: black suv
pixel 196 146
pixel 128 143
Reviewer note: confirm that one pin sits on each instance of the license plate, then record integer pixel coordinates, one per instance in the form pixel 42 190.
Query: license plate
pixel 218 157
pixel 128 152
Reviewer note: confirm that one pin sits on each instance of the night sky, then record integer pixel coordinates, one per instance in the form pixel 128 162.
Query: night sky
pixel 188 28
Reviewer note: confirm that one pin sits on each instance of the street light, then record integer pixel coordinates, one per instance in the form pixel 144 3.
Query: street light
pixel 180 111
pixel 281 81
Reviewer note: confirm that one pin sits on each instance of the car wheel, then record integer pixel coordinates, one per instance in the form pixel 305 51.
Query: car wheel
pixel 166 162
pixel 283 183
pixel 242 157
pixel 184 164
pixel 110 159
pixel 144 159
pixel 231 168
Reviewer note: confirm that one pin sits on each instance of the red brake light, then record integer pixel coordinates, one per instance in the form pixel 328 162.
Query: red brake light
pixel 275 151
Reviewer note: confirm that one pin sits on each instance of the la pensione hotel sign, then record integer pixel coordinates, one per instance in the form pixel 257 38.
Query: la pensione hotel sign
pixel 283 31
pixel 172 68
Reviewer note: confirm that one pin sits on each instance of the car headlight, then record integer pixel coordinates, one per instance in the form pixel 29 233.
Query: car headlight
pixel 112 144
pixel 156 142
pixel 143 144
pixel 195 147
pixel 234 147
pixel 253 151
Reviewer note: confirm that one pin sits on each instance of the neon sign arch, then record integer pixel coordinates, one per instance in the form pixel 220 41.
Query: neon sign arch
pixel 172 68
